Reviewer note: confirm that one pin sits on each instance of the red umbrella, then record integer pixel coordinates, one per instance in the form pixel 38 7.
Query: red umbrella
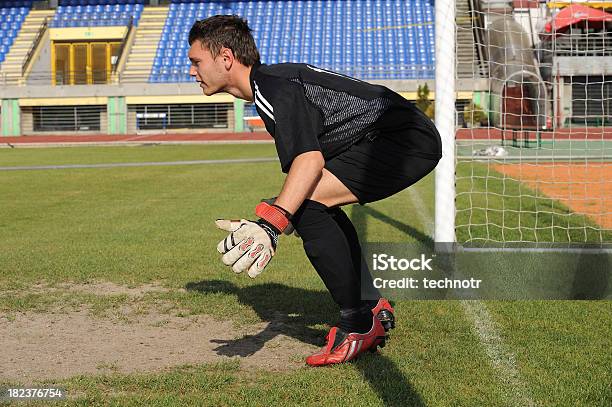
pixel 575 14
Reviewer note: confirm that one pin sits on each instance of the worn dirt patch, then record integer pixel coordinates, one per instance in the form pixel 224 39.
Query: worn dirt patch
pixel 53 345
pixel 95 287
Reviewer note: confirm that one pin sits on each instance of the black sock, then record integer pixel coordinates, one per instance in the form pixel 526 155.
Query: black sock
pixel 360 266
pixel 332 246
pixel 357 320
pixel 329 252
pixel 369 303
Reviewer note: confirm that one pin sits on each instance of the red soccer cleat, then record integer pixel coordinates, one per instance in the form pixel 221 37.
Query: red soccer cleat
pixel 385 313
pixel 342 347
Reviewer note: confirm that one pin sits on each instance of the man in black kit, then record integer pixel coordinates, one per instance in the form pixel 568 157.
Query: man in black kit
pixel 340 141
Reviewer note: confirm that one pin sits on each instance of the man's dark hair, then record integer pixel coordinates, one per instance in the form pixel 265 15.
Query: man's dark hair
pixel 226 31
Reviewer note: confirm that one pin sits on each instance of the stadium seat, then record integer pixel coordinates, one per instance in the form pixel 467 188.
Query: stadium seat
pixel 298 31
pixel 12 15
pixel 82 13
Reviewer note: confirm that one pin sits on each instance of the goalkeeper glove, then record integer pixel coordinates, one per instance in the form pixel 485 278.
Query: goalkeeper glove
pixel 251 245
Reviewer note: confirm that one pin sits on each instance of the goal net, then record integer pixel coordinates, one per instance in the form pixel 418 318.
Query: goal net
pixel 529 148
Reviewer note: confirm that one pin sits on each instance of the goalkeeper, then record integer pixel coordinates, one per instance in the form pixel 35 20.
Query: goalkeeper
pixel 340 141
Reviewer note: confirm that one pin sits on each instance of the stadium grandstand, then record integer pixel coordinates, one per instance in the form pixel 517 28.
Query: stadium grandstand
pixel 78 66
pixel 121 67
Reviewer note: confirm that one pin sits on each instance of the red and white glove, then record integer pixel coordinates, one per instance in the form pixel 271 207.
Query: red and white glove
pixel 252 244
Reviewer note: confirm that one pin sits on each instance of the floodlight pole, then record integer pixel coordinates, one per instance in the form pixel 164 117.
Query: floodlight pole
pixel 445 122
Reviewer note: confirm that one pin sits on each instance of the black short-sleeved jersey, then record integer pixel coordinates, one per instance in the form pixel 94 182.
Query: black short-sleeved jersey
pixel 306 108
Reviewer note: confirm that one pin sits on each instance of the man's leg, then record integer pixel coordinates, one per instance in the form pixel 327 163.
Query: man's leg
pixel 372 299
pixel 330 191
pixel 370 170
pixel 333 193
pixel 360 267
pixel 329 251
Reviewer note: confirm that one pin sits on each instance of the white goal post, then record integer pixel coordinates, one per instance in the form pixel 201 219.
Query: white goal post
pixel 445 121
pixel 523 104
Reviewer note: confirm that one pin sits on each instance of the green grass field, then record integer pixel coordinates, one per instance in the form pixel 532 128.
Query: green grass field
pixel 492 208
pixel 140 225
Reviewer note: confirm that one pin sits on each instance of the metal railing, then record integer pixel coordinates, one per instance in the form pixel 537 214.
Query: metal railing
pixel 179 75
pixel 581 44
pixel 123 44
pixel 35 43
pixel 181 116
pixel 66 118
pixel 68 77
pixel 480 35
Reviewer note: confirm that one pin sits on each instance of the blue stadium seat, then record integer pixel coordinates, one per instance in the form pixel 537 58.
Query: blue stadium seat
pixel 97 12
pixel 12 15
pixel 327 33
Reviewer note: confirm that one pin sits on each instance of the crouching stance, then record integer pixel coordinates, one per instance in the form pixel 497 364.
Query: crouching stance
pixel 340 141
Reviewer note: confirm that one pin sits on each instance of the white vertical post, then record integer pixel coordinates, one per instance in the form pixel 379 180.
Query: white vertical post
pixel 445 122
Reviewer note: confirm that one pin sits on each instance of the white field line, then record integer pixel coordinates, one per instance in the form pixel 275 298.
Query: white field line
pixel 142 164
pixel 502 359
pixel 132 143
pixel 422 211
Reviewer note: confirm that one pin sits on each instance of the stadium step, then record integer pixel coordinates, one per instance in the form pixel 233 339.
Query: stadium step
pixel 143 44
pixel 468 63
pixel 146 39
pixel 11 68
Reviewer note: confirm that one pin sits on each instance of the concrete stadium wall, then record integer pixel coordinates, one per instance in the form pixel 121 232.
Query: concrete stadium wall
pixel 40 74
pixel 149 94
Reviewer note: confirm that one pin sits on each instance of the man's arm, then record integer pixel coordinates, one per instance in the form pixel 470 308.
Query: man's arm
pixel 305 172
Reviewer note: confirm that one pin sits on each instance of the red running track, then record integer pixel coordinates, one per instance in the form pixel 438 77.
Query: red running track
pixel 590 133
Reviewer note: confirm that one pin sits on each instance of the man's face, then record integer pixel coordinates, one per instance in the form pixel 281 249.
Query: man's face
pixel 210 73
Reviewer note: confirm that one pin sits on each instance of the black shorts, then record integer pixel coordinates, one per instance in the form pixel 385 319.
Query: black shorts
pixel 376 169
